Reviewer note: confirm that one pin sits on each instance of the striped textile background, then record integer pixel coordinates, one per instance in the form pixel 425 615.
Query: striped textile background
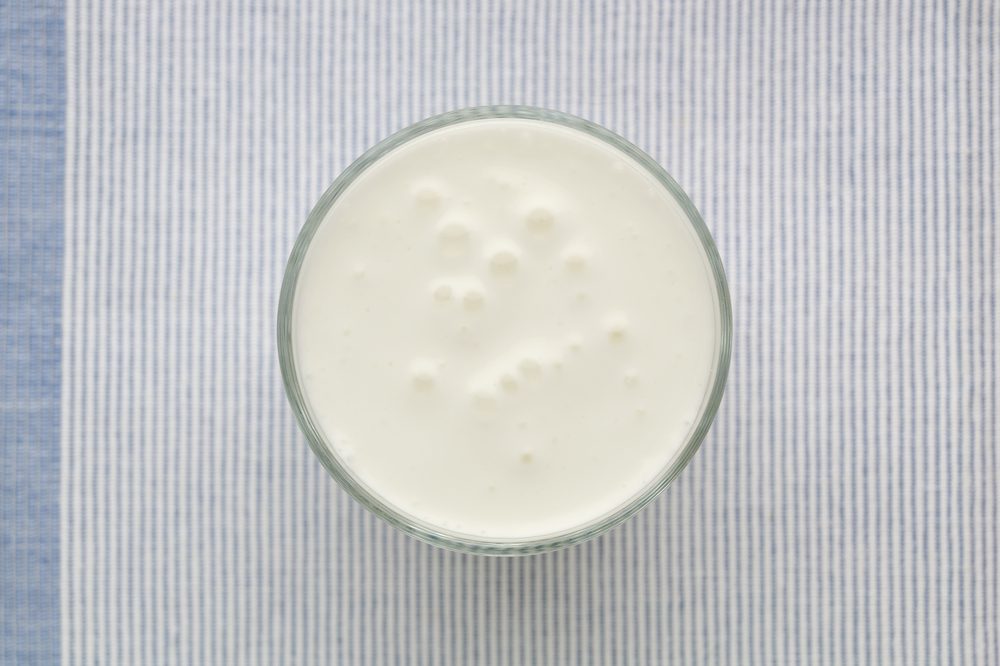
pixel 843 510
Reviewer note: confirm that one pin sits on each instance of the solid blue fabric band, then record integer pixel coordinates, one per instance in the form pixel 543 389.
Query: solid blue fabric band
pixel 32 110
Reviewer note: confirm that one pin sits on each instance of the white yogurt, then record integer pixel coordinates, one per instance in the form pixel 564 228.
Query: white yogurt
pixel 506 328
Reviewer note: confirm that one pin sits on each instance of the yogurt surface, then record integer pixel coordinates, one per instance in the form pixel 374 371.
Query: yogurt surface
pixel 505 328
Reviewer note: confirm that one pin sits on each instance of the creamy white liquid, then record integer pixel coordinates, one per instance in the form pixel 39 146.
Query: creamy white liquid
pixel 506 328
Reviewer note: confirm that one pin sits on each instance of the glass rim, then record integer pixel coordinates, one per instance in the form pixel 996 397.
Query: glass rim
pixel 392 514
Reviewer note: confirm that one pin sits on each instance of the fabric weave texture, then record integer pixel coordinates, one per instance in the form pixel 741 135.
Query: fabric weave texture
pixel 842 510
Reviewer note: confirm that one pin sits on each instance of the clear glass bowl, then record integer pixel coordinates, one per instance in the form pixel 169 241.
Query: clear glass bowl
pixel 419 528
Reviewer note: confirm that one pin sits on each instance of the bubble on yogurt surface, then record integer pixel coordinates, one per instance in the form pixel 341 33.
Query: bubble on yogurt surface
pixel 423 373
pixel 508 382
pixel 482 397
pixel 454 237
pixel 529 367
pixel 474 298
pixel 442 292
pixel 617 327
pixel 427 194
pixel 540 219
pixel 576 258
pixel 504 259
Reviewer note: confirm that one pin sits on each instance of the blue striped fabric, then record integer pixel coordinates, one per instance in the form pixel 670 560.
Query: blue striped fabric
pixel 843 510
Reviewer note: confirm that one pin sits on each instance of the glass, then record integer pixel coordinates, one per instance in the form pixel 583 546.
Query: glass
pixel 419 528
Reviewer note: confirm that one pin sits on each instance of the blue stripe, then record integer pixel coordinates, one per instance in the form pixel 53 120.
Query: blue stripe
pixel 32 113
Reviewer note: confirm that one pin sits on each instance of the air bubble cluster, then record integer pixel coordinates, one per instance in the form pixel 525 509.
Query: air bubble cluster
pixel 485 270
